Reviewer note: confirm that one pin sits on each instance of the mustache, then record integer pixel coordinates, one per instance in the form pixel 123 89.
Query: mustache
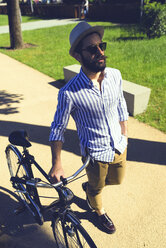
pixel 98 57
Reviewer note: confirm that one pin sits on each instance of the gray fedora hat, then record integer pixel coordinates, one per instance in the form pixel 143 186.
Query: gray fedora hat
pixel 80 31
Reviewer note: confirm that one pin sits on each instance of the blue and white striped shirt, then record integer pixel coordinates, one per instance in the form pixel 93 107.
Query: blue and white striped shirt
pixel 96 114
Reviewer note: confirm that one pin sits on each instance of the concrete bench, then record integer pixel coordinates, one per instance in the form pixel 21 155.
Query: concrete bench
pixel 137 96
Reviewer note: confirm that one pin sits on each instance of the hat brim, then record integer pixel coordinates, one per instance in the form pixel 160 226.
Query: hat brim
pixel 96 29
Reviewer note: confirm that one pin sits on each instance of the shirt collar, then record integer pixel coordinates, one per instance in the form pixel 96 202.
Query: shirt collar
pixel 86 79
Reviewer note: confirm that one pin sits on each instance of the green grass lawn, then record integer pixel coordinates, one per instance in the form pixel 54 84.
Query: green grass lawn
pixel 140 60
pixel 4 19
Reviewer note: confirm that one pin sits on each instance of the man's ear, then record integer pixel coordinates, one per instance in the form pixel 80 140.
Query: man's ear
pixel 77 56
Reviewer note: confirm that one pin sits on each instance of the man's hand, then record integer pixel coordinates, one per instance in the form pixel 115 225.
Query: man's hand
pixel 123 125
pixel 56 173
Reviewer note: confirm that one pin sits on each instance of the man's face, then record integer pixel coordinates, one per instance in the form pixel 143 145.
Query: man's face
pixel 93 58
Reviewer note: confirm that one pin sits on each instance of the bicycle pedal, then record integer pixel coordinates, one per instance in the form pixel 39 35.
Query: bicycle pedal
pixel 19 210
pixel 70 231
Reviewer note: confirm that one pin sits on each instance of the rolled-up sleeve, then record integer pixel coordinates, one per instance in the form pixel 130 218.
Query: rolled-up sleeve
pixel 122 106
pixel 61 117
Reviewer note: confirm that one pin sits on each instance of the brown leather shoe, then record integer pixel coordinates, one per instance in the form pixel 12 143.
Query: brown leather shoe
pixel 107 223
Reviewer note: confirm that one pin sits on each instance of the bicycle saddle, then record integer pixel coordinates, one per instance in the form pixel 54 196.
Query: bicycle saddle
pixel 19 138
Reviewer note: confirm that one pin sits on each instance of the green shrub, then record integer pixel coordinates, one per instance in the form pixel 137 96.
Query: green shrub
pixel 153 21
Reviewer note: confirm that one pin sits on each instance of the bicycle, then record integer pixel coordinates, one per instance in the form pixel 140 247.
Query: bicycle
pixel 67 229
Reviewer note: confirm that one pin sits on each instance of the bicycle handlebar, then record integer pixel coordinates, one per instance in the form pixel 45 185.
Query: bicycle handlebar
pixel 78 171
pixel 65 181
pixel 35 182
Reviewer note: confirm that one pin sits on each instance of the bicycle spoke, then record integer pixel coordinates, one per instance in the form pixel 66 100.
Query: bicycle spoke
pixel 70 235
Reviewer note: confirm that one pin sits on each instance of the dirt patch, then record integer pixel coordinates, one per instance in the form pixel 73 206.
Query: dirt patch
pixel 29 45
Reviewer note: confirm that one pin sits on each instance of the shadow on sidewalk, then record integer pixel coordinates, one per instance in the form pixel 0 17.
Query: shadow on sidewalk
pixel 40 134
pixel 58 83
pixel 19 231
pixel 86 215
pixel 138 150
pixel 6 101
pixel 146 151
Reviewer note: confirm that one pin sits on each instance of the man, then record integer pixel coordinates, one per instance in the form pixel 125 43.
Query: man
pixel 94 98
pixel 86 7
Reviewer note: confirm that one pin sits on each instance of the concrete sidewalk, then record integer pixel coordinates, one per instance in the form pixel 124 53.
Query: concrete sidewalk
pixel 41 24
pixel 28 101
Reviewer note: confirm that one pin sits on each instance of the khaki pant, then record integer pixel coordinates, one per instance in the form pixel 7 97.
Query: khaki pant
pixel 101 174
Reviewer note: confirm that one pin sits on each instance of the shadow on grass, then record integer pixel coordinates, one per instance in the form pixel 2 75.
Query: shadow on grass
pixel 129 38
pixel 5 48
pixel 25 45
pixel 128 32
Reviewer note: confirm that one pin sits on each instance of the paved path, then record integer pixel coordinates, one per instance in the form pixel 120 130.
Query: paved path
pixel 40 24
pixel 28 100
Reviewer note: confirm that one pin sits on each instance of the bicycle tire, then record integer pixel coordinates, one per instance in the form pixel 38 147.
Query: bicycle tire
pixel 28 194
pixel 70 234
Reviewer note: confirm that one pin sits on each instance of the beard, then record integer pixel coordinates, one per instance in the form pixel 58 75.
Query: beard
pixel 94 65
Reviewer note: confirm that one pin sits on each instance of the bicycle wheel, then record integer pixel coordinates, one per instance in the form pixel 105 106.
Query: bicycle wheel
pixel 28 194
pixel 70 234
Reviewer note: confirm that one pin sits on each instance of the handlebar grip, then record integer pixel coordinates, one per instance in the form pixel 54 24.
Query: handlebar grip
pixel 64 180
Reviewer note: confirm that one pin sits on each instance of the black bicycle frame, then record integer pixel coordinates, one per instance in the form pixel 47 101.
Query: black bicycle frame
pixel 29 159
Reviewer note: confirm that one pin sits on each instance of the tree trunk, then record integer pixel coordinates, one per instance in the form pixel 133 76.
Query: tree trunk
pixel 14 17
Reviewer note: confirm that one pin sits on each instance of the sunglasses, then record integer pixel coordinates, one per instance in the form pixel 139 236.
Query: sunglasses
pixel 93 49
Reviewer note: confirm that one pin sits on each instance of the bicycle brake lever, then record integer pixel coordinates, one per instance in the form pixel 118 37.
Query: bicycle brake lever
pixel 64 180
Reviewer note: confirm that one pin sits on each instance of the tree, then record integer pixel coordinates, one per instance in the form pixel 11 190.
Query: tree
pixel 153 21
pixel 14 17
